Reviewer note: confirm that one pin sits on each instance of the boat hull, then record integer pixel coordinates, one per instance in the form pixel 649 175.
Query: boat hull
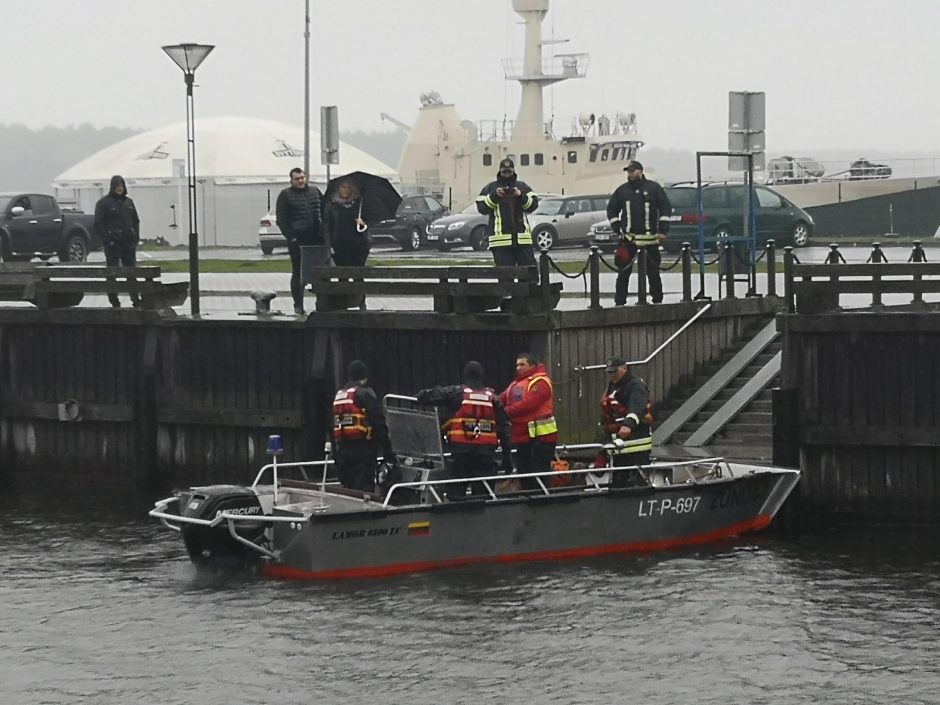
pixel 525 528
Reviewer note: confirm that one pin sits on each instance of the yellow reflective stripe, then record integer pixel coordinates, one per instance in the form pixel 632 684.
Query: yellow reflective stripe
pixel 536 378
pixel 646 240
pixel 646 215
pixel 634 417
pixel 542 427
pixel 489 202
pixel 638 445
pixel 528 200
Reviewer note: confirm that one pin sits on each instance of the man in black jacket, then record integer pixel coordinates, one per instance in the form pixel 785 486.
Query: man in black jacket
pixel 475 424
pixel 626 422
pixel 507 201
pixel 298 217
pixel 359 431
pixel 640 211
pixel 118 227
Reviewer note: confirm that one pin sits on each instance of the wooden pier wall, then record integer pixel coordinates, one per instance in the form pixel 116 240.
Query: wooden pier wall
pixel 866 417
pixel 130 399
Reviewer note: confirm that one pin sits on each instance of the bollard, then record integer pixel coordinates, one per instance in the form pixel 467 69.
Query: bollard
pixel 771 249
pixel 641 276
pixel 544 284
pixel 686 271
pixel 834 256
pixel 788 279
pixel 594 267
pixel 262 301
pixel 917 256
pixel 917 253
pixel 728 256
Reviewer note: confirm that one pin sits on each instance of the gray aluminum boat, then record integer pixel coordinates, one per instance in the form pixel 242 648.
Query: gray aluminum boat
pixel 307 529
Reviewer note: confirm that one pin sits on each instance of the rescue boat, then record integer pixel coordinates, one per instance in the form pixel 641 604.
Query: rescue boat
pixel 312 528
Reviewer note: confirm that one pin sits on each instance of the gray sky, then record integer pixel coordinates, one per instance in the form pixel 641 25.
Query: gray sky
pixel 838 74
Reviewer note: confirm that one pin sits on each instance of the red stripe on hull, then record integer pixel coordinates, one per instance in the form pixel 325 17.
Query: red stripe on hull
pixel 285 572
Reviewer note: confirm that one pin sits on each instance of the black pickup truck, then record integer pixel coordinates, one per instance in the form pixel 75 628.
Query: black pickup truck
pixel 33 225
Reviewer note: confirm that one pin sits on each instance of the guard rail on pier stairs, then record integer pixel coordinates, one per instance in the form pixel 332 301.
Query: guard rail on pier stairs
pixel 859 407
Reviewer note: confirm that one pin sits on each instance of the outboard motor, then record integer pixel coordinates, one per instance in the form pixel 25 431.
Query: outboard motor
pixel 214 547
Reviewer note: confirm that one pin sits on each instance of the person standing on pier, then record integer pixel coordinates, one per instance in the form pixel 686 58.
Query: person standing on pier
pixel 347 231
pixel 626 421
pixel 298 217
pixel 117 225
pixel 640 211
pixel 476 424
pixel 530 404
pixel 359 431
pixel 507 201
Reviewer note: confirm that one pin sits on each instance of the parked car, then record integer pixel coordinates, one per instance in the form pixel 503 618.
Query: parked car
pixel 409 227
pixel 467 227
pixel 566 220
pixel 34 225
pixel 776 218
pixel 269 234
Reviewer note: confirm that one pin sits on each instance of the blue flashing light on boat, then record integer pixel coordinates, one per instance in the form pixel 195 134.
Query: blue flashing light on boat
pixel 275 445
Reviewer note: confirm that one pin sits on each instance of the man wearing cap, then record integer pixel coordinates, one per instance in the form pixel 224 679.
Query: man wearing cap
pixel 640 211
pixel 626 421
pixel 476 424
pixel 507 201
pixel 359 431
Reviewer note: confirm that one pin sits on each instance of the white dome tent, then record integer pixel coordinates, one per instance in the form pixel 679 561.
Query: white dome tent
pixel 241 166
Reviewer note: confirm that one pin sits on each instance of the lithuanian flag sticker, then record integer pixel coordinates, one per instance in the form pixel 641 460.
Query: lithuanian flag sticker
pixel 419 528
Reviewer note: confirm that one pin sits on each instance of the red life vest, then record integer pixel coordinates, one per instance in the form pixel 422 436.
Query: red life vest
pixel 474 423
pixel 349 420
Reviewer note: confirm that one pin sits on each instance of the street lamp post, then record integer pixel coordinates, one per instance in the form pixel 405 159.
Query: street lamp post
pixel 188 57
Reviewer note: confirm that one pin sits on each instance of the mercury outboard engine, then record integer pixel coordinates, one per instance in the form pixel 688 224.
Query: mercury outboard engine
pixel 214 547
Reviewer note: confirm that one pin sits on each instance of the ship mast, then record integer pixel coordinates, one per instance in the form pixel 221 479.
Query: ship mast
pixel 535 74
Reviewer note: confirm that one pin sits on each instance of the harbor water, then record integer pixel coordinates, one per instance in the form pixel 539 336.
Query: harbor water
pixel 99 605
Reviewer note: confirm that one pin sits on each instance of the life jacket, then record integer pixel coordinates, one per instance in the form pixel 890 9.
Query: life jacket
pixel 541 422
pixel 474 424
pixel 350 422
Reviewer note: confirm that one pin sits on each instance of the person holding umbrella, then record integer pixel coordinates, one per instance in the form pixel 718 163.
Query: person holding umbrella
pixel 352 202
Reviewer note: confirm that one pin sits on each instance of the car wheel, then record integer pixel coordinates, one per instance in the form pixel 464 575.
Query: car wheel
pixel 721 236
pixel 799 236
pixel 267 249
pixel 479 239
pixel 545 238
pixel 75 250
pixel 414 240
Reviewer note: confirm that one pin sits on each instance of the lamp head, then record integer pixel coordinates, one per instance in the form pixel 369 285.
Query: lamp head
pixel 188 56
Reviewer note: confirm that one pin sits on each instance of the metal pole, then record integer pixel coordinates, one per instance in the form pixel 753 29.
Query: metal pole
pixel 193 221
pixel 701 227
pixel 307 88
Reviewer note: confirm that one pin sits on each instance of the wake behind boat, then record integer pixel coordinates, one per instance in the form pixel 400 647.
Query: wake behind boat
pixel 307 529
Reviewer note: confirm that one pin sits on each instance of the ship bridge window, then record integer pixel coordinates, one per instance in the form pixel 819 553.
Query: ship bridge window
pixel 604 154
pixel 572 157
pixel 593 156
pixel 487 160
pixel 524 159
pixel 539 158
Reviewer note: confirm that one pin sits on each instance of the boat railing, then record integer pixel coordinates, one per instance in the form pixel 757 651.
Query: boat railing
pixel 590 475
pixel 274 466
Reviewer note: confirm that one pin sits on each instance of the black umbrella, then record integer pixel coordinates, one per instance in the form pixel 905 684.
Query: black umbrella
pixel 380 200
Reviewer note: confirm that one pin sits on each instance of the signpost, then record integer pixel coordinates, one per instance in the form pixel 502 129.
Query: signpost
pixel 329 137
pixel 746 153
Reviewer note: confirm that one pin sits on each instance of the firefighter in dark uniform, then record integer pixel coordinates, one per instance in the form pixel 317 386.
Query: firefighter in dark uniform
pixel 626 418
pixel 359 431
pixel 476 424
pixel 640 211
pixel 507 201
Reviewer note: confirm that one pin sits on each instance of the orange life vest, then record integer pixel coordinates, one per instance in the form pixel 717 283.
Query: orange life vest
pixel 350 422
pixel 475 421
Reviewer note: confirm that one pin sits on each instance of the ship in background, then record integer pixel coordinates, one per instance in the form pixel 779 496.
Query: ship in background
pixel 456 158
pixel 861 198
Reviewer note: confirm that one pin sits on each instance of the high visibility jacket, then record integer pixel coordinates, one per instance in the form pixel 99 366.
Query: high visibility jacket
pixel 474 424
pixel 531 407
pixel 350 422
pixel 509 223
pixel 628 403
pixel 640 211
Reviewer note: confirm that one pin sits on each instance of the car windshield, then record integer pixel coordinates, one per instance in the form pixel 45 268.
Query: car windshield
pixel 4 201
pixel 471 209
pixel 548 206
